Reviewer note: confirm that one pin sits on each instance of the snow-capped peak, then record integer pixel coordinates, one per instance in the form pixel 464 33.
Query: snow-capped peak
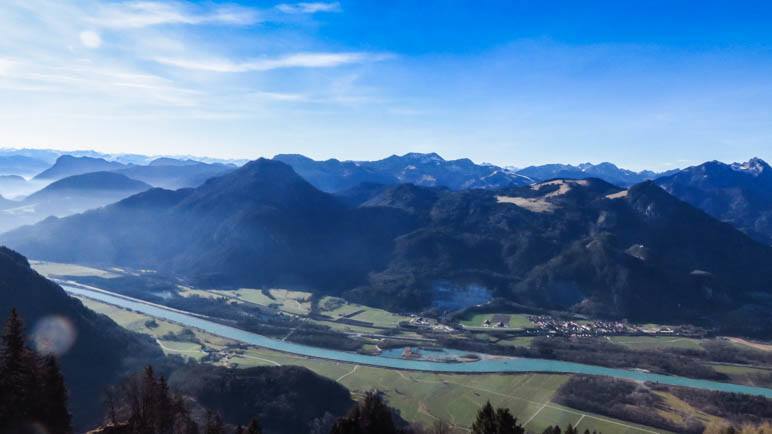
pixel 754 166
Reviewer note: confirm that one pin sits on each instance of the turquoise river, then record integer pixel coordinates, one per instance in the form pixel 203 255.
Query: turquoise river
pixel 480 366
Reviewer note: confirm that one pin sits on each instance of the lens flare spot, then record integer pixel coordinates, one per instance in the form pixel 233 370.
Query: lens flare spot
pixel 54 335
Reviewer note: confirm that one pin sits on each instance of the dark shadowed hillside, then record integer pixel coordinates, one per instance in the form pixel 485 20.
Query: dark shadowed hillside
pixel 583 245
pixel 286 400
pixel 740 193
pixel 262 212
pixel 95 351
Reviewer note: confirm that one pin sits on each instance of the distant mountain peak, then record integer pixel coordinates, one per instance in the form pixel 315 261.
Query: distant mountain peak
pixel 95 181
pixel 605 170
pixel 259 184
pixel 262 173
pixel 424 158
pixel 264 166
pixel 167 161
pixel 755 166
pixel 68 165
pixel 601 165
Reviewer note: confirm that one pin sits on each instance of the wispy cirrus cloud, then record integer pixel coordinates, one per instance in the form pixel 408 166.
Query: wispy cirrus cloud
pixel 309 7
pixel 137 14
pixel 83 77
pixel 295 60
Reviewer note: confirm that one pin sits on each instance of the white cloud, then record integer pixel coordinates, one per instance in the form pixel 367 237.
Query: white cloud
pixel 296 60
pixel 90 39
pixel 308 8
pixel 57 55
pixel 278 96
pixel 85 78
pixel 5 66
pixel 147 13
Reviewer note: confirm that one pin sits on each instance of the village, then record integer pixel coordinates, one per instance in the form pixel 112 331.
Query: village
pixel 545 325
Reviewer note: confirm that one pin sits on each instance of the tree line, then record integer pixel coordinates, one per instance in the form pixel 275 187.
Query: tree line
pixel 32 389
pixel 373 416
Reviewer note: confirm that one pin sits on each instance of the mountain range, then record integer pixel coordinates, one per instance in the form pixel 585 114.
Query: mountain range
pixel 738 193
pixel 605 171
pixel 428 170
pixel 584 245
pixel 21 165
pixel 70 195
pixel 161 172
pixel 68 165
pixel 171 173
pixel 431 170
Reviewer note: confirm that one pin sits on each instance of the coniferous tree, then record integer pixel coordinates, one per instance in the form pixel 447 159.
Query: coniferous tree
pixel 498 421
pixel 254 427
pixel 55 414
pixel 485 423
pixel 19 373
pixel 371 416
pixel 506 423
pixel 147 406
pixel 214 423
pixel 32 389
pixel 164 408
pixel 183 424
pixel 348 424
pixel 149 403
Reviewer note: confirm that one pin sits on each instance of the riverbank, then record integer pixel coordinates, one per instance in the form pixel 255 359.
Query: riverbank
pixel 505 365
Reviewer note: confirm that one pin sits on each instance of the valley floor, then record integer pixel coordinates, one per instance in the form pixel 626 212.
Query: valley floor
pixel 419 396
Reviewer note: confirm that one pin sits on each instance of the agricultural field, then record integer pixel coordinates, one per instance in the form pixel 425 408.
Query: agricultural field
pixel 753 376
pixel 419 396
pixel 424 397
pixel 679 411
pixel 337 308
pixel 54 269
pixel 185 291
pixel 284 300
pixel 756 345
pixel 508 321
pixel 520 341
pixel 656 342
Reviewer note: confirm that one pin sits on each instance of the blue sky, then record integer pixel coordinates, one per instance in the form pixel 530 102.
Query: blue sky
pixel 653 84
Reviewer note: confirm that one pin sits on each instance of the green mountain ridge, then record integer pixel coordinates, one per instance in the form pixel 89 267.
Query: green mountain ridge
pixel 581 245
